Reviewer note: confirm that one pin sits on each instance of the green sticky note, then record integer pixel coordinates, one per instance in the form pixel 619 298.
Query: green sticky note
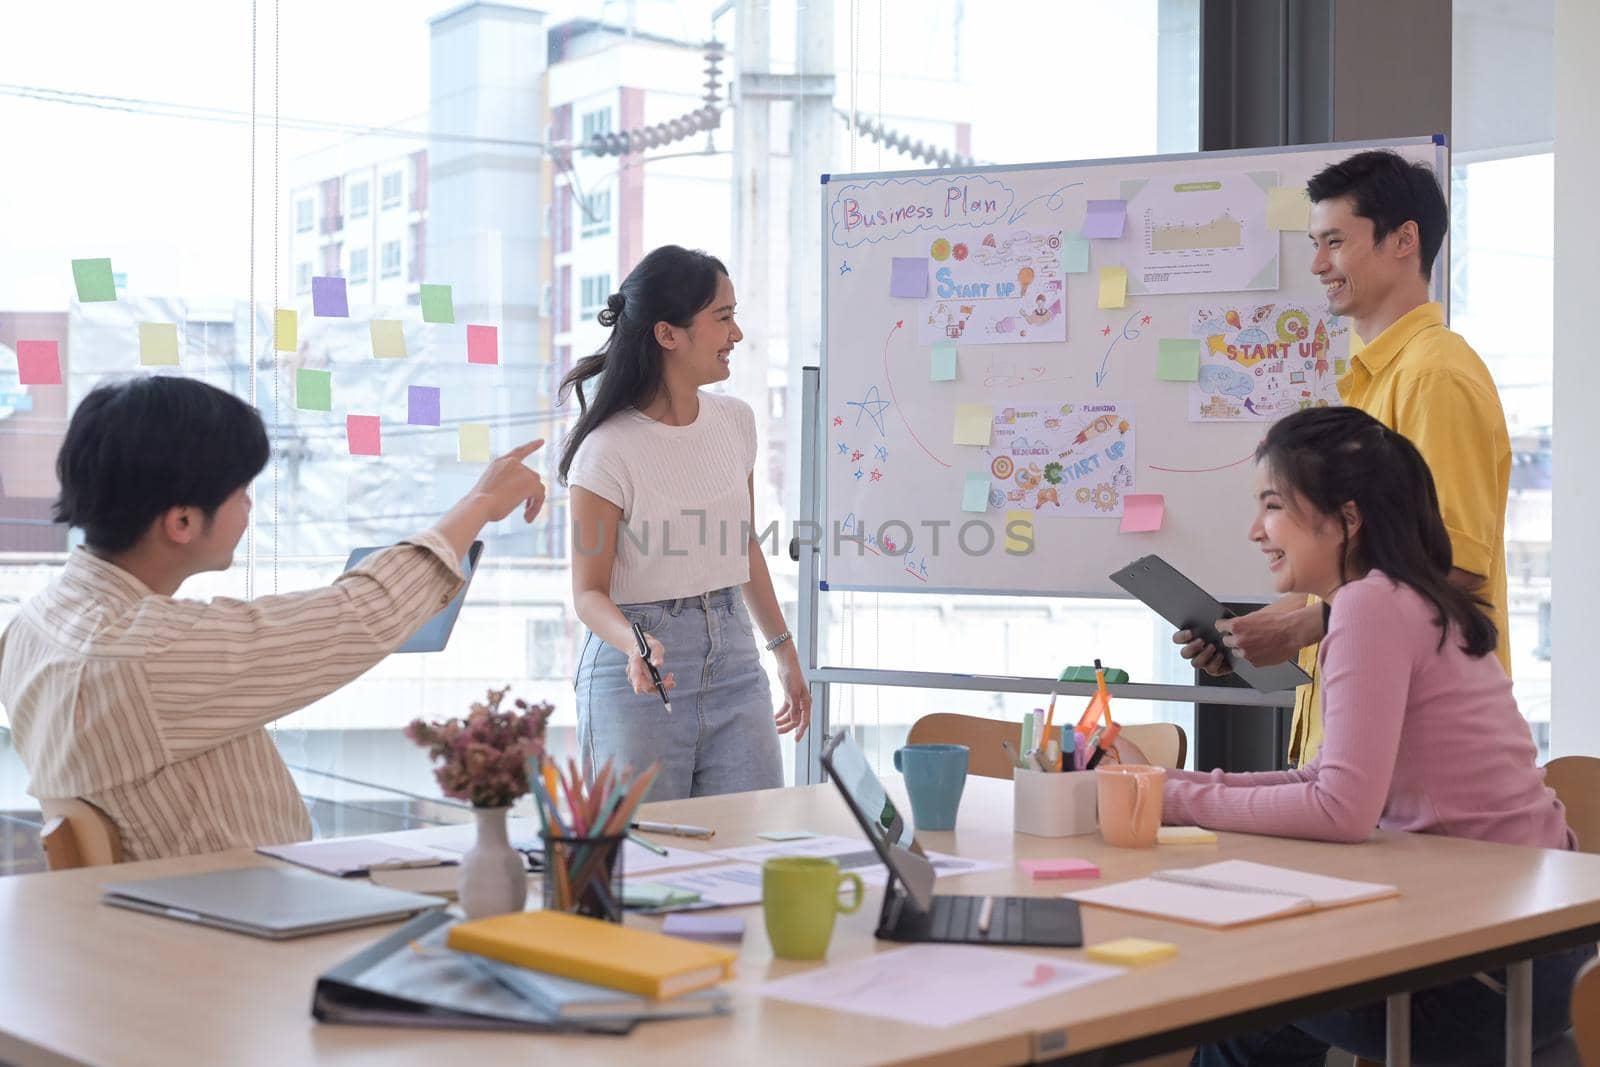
pixel 93 279
pixel 785 835
pixel 1074 254
pixel 943 367
pixel 437 305
pixel 158 344
pixel 975 497
pixel 313 390
pixel 655 895
pixel 974 424
pixel 1178 359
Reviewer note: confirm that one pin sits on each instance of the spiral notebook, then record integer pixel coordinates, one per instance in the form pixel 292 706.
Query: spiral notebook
pixel 1232 893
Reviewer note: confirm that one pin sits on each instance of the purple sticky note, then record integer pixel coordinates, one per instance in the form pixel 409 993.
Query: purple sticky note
pixel 329 299
pixel 422 408
pixel 1143 512
pixel 39 362
pixel 365 435
pixel 483 344
pixel 1105 218
pixel 908 277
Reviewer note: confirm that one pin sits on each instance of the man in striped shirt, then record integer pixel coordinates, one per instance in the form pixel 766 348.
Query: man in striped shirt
pixel 154 708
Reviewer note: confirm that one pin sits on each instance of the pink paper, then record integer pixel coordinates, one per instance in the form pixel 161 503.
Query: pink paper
pixel 1064 868
pixel 1143 512
pixel 483 344
pixel 365 435
pixel 39 362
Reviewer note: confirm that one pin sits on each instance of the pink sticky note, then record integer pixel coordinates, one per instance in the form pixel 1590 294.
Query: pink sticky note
pixel 1063 868
pixel 1143 512
pixel 39 362
pixel 483 344
pixel 366 438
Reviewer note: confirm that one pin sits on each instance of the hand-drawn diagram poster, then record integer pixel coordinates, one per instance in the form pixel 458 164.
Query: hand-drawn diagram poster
pixel 1259 362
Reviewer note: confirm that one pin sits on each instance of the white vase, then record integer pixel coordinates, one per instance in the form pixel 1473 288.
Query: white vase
pixel 493 880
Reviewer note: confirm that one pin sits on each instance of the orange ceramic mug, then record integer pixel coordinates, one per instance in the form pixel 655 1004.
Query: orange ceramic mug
pixel 1129 799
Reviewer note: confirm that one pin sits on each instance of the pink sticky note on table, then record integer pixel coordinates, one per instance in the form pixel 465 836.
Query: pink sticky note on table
pixel 39 362
pixel 1061 868
pixel 1143 512
pixel 366 437
pixel 483 344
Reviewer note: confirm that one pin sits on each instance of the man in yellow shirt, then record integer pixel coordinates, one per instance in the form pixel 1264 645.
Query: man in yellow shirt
pixel 1377 223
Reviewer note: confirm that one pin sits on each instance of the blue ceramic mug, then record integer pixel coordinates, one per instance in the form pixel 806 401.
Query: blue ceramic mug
pixel 935 776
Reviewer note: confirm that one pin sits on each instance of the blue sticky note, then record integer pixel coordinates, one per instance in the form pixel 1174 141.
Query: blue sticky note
pixel 1105 219
pixel 908 277
pixel 329 298
pixel 422 405
pixel 943 367
pixel 1074 254
pixel 976 495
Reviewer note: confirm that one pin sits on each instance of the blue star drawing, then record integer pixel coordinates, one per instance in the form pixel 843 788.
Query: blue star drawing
pixel 844 449
pixel 872 406
pixel 844 268
pixel 882 453
pixel 858 474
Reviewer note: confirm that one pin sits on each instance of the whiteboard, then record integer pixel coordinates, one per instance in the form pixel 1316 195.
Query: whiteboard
pixel 1075 414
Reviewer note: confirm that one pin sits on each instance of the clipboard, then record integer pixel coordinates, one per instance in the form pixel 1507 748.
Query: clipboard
pixel 1170 594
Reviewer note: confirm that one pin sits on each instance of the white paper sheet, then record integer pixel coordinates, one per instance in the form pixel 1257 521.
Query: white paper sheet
pixel 855 854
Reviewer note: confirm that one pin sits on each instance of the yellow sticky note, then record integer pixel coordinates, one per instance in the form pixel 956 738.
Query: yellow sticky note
pixel 388 339
pixel 158 344
pixel 286 330
pixel 1019 532
pixel 1185 835
pixel 1288 208
pixel 974 424
pixel 1113 287
pixel 472 442
pixel 1131 951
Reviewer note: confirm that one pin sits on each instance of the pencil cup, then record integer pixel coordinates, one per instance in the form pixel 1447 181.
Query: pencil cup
pixel 583 875
pixel 1053 803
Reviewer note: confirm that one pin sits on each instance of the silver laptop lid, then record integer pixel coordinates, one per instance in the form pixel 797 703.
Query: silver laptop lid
pixel 891 834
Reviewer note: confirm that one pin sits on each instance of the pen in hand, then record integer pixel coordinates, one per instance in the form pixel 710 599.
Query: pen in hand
pixel 655 675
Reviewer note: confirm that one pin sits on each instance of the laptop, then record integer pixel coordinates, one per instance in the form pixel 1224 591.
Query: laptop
pixel 270 902
pixel 911 910
pixel 435 633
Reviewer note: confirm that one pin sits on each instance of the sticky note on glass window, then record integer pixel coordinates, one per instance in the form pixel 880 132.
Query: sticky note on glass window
pixel 483 344
pixel 286 330
pixel 437 304
pixel 1130 951
pixel 39 362
pixel 329 299
pixel 158 344
pixel 943 365
pixel 388 339
pixel 313 390
pixel 472 442
pixel 1104 219
pixel 1113 287
pixel 1019 532
pixel 422 405
pixel 93 280
pixel 1288 208
pixel 908 277
pixel 1143 512
pixel 975 497
pixel 1178 359
pixel 366 437
pixel 1074 254
pixel 974 424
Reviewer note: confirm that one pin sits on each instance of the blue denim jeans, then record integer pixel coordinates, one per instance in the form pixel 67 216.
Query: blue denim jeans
pixel 1455 1025
pixel 720 736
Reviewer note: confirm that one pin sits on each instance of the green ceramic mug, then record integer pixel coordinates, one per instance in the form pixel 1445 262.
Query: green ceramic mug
pixel 800 896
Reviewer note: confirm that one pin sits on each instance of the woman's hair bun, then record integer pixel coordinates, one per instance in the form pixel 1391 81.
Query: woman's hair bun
pixel 612 311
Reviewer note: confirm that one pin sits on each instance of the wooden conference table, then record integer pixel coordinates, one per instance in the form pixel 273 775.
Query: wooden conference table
pixel 82 983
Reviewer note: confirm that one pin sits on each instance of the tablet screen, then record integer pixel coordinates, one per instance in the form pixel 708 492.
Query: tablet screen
pixel 434 633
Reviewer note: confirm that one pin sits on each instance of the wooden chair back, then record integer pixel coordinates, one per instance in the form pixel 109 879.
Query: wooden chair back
pixel 1164 743
pixel 78 834
pixel 1576 780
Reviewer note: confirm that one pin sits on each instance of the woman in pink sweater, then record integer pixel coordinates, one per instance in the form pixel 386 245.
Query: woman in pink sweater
pixel 1421 732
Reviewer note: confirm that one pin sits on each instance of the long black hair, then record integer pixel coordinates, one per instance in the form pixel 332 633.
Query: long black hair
pixel 671 285
pixel 1328 457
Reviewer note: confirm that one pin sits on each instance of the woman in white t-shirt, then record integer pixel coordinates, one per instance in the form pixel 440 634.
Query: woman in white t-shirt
pixel 663 527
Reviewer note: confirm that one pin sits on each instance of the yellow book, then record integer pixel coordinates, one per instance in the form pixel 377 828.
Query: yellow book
pixel 600 953
pixel 1130 951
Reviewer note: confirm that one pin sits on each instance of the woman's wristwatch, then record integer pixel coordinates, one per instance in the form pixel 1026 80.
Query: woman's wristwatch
pixel 780 639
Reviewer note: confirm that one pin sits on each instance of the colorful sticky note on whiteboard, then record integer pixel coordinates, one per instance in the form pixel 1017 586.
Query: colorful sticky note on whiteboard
pixel 93 280
pixel 1105 219
pixel 39 362
pixel 422 405
pixel 365 434
pixel 908 277
pixel 1074 254
pixel 1113 288
pixel 329 298
pixel 158 344
pixel 1288 208
pixel 472 442
pixel 483 344
pixel 975 496
pixel 313 389
pixel 388 339
pixel 1178 359
pixel 942 367
pixel 1143 512
pixel 437 304
pixel 974 424
pixel 286 330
